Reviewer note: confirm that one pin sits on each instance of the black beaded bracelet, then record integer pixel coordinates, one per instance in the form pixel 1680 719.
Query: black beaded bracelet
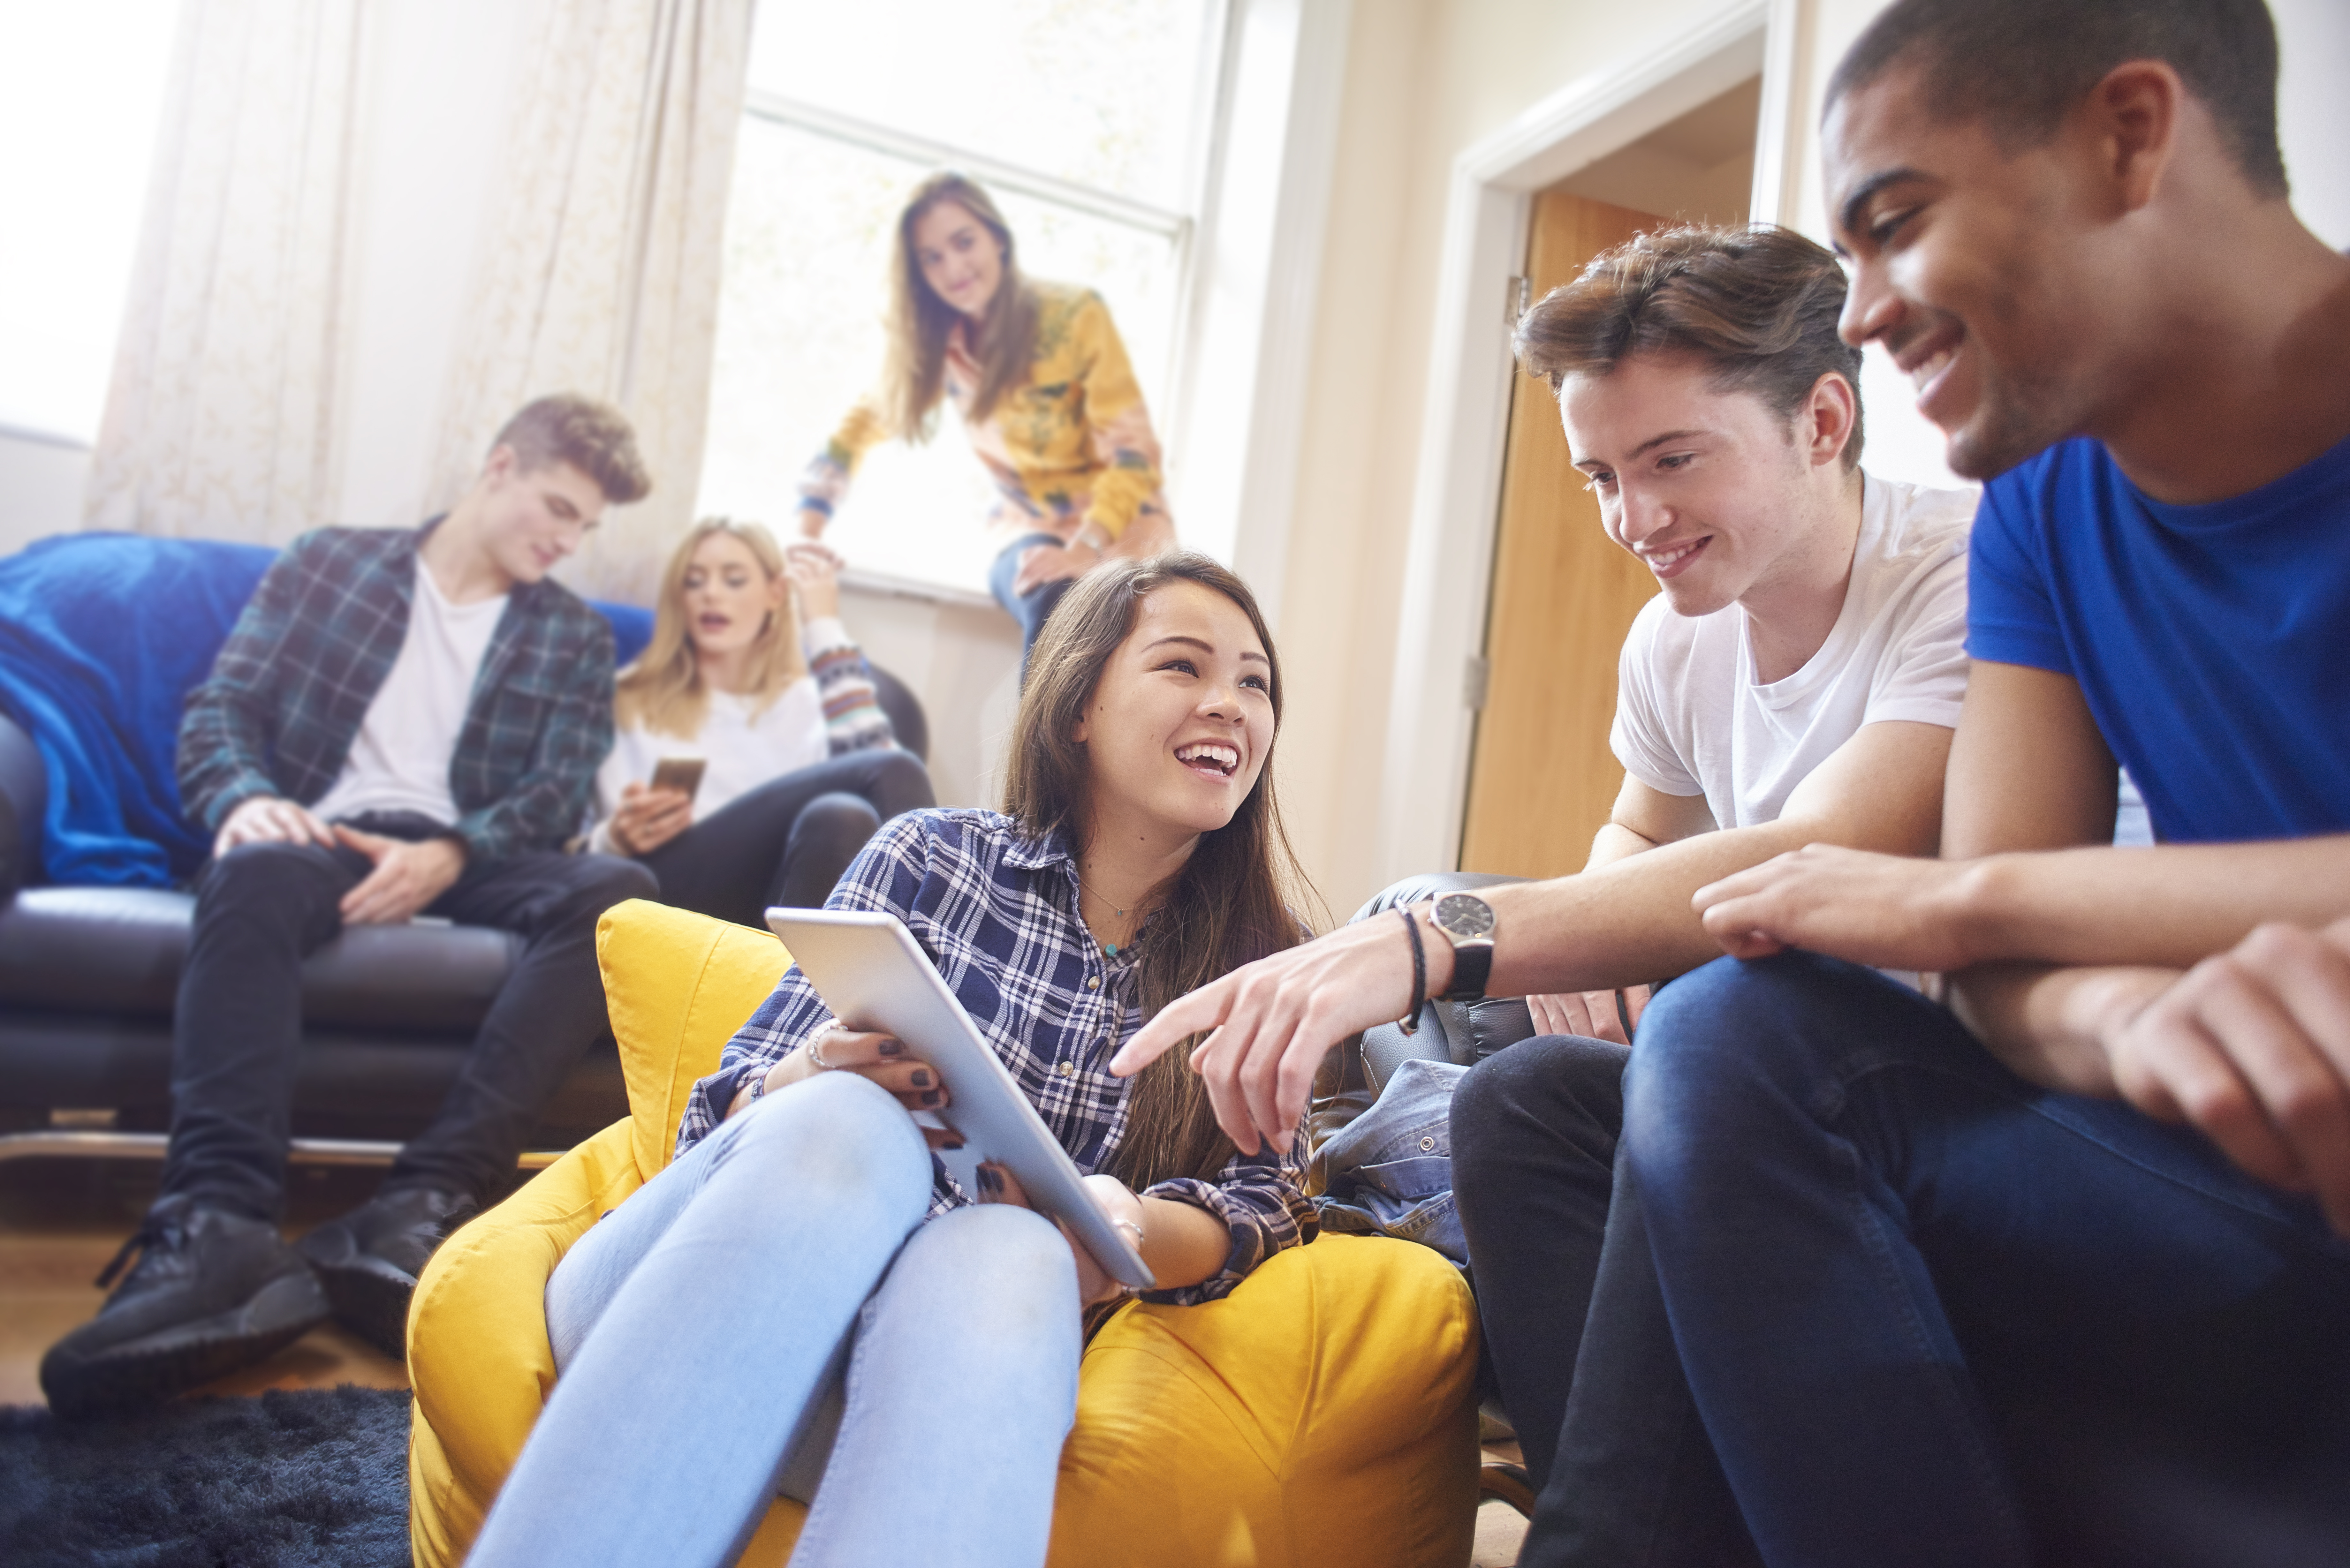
pixel 1409 1022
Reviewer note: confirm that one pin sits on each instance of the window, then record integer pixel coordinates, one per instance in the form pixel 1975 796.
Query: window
pixel 82 89
pixel 1087 119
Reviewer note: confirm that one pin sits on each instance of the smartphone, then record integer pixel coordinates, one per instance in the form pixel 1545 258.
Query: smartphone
pixel 679 773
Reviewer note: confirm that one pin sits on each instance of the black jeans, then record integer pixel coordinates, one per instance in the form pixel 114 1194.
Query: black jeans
pixel 262 909
pixel 1574 1321
pixel 788 841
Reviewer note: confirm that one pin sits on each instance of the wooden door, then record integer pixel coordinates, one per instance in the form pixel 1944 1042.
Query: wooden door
pixel 1540 776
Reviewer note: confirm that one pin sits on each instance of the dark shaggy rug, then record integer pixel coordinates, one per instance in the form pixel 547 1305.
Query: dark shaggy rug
pixel 318 1476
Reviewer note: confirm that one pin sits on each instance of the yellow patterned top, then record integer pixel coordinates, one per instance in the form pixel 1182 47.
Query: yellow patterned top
pixel 1070 445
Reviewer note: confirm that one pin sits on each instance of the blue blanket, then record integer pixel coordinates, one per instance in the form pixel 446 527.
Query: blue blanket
pixel 102 636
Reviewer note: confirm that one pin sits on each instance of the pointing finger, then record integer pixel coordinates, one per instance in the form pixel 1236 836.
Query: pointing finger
pixel 1203 1009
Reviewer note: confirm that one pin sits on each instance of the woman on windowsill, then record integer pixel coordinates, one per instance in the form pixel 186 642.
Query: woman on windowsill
pixel 1042 381
pixel 751 672
pixel 797 1299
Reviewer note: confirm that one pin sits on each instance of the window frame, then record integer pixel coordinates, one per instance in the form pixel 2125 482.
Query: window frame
pixel 1204 156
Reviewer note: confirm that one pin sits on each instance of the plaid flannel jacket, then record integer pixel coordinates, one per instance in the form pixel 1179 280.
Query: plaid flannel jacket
pixel 998 915
pixel 286 697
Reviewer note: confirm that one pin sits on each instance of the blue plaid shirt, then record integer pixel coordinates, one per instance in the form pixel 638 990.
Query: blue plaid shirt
pixel 997 913
pixel 291 686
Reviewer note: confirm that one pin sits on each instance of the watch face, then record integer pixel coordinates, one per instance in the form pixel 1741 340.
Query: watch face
pixel 1464 917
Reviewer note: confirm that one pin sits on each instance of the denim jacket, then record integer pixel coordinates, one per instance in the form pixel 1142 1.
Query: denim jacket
pixel 1389 1172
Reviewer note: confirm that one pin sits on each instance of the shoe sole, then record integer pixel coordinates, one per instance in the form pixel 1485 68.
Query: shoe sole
pixel 370 1298
pixel 144 1372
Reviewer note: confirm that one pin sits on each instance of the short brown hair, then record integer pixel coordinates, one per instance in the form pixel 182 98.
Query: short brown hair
pixel 590 435
pixel 1759 303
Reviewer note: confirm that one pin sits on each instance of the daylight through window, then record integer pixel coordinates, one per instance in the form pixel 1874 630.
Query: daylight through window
pixel 1093 140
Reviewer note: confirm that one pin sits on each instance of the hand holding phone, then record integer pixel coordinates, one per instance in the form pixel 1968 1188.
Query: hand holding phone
pixel 680 773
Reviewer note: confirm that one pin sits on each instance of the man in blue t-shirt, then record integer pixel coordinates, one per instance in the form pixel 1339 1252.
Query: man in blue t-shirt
pixel 2058 1273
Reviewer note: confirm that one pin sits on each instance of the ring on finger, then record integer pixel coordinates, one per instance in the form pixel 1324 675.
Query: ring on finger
pixel 816 1048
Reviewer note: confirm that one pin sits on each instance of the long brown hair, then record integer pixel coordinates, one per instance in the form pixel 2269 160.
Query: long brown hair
pixel 1235 901
pixel 914 366
pixel 661 689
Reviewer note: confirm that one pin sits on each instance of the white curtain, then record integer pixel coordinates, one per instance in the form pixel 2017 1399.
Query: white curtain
pixel 600 269
pixel 219 420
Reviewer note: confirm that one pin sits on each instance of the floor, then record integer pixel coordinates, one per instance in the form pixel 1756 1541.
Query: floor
pixel 61 1220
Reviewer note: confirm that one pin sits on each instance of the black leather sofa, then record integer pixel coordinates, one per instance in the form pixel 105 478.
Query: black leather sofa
pixel 87 976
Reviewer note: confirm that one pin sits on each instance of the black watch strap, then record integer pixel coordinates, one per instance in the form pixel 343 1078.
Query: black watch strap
pixel 1472 963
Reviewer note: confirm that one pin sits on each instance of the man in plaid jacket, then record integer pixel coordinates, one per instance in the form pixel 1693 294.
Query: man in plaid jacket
pixel 400 724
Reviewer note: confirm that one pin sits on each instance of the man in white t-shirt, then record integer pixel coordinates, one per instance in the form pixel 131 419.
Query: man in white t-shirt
pixel 402 723
pixel 1795 681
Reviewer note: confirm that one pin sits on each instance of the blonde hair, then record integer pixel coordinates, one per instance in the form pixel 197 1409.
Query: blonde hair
pixel 913 366
pixel 661 689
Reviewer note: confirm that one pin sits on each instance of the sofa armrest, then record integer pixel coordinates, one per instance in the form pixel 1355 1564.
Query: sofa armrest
pixel 23 804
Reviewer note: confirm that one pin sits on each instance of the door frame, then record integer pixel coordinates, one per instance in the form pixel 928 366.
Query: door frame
pixel 1448 562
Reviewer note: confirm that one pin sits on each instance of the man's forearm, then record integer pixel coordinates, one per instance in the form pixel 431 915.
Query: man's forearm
pixel 2169 907
pixel 2050 1025
pixel 1629 921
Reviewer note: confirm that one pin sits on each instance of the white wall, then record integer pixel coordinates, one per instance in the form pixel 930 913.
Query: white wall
pixel 2314 111
pixel 41 483
pixel 962 658
pixel 1424 82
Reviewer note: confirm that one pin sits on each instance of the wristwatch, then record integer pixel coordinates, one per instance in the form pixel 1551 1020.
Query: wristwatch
pixel 1467 922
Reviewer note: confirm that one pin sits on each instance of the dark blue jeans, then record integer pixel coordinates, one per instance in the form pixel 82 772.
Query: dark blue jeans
pixel 1575 1328
pixel 1932 1314
pixel 1029 609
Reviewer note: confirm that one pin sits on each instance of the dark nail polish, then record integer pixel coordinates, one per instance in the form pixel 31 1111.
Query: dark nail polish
pixel 931 1096
pixel 893 1047
pixel 956 1143
pixel 921 1078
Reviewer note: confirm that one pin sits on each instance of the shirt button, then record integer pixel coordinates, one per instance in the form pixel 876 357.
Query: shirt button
pixel 1093 982
pixel 1067 1069
pixel 1426 1144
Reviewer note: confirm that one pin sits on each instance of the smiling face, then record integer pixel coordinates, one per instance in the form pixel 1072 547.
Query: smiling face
pixel 960 257
pixel 728 596
pixel 1984 271
pixel 530 519
pixel 1177 729
pixel 1711 490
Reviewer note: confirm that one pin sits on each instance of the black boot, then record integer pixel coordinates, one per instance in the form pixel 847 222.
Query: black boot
pixel 369 1257
pixel 211 1291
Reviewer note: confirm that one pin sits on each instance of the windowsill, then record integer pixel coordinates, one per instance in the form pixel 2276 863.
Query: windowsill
pixel 887 585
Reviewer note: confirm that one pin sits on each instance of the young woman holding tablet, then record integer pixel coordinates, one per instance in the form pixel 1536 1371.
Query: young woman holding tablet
pixel 799 1296
pixel 751 686
pixel 1041 378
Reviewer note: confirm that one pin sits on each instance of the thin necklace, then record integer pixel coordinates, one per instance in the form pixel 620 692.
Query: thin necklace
pixel 1110 948
pixel 1097 893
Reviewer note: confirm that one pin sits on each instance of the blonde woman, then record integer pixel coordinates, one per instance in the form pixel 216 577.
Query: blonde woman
pixel 1041 378
pixel 772 706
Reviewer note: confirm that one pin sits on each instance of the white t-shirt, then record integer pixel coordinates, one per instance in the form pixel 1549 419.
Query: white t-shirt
pixel 1691 718
pixel 399 760
pixel 744 749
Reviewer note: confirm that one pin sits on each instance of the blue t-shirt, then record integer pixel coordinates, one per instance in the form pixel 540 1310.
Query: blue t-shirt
pixel 2212 642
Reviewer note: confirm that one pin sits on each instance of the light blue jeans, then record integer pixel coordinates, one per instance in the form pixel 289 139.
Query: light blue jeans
pixel 776 1284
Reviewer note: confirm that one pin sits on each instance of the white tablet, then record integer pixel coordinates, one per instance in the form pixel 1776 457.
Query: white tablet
pixel 871 972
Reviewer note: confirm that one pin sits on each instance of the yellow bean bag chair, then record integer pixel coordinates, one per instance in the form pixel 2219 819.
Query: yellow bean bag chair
pixel 1322 1414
